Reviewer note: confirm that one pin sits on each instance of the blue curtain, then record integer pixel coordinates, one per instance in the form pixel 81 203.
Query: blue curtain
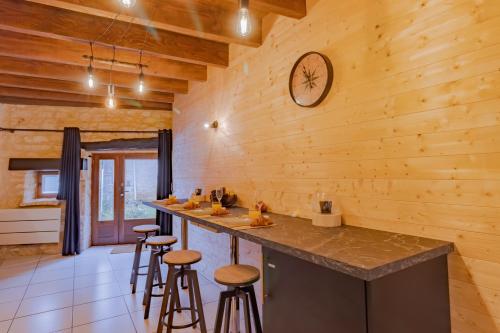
pixel 69 189
pixel 164 185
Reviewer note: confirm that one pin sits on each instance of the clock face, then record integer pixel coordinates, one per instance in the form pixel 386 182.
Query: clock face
pixel 311 79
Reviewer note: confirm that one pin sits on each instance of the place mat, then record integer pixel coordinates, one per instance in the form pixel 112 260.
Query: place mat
pixel 125 249
pixel 237 223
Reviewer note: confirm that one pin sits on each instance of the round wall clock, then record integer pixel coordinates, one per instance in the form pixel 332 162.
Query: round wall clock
pixel 311 79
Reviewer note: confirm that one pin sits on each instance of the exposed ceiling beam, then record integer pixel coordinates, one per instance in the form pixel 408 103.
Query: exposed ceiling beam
pixel 195 18
pixel 18 81
pixel 9 65
pixel 55 22
pixel 58 96
pixel 291 8
pixel 73 52
pixel 49 102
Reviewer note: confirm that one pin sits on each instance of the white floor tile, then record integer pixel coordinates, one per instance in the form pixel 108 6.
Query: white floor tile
pixel 43 322
pixel 56 264
pixel 8 310
pixel 4 326
pixel 15 281
pixel 95 293
pixel 134 301
pixel 92 268
pixel 85 281
pixel 90 312
pixel 45 303
pixel 47 288
pixel 46 276
pixel 95 299
pixel 122 324
pixel 12 294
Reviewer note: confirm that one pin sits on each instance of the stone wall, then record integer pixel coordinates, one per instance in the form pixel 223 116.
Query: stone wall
pixel 15 185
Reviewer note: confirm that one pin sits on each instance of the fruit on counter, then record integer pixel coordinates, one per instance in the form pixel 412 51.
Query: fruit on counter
pixel 217 210
pixel 191 204
pixel 261 221
pixel 172 199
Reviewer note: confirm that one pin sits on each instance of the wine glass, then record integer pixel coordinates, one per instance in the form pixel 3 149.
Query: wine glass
pixel 219 193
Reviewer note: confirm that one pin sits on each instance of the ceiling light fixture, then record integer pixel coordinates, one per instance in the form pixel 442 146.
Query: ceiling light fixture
pixel 244 25
pixel 90 69
pixel 141 82
pixel 214 124
pixel 141 76
pixel 110 100
pixel 128 3
pixel 90 80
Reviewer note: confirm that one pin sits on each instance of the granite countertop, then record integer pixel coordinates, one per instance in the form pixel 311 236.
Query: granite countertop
pixel 363 253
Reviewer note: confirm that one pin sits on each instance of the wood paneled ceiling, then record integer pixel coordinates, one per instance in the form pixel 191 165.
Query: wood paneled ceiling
pixel 45 47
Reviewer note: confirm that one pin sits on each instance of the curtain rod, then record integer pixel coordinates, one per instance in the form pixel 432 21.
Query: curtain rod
pixel 12 130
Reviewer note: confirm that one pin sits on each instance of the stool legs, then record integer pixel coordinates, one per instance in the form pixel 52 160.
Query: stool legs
pixel 137 259
pixel 246 309
pixel 173 304
pixel 255 309
pixel 247 294
pixel 199 302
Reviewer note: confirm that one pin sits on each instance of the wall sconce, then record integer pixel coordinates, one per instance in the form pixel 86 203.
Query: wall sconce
pixel 214 125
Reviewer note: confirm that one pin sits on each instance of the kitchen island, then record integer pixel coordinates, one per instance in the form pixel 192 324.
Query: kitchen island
pixel 344 279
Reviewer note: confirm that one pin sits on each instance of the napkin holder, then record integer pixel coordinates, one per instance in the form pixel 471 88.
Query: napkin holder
pixel 327 220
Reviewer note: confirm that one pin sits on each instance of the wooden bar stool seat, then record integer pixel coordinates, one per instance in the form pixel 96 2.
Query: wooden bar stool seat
pixel 182 258
pixel 144 229
pixel 161 240
pixel 237 275
pixel 239 279
pixel 160 245
pixel 178 266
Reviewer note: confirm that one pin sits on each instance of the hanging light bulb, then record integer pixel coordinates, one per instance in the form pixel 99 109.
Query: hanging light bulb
pixel 141 82
pixel 244 25
pixel 110 100
pixel 128 3
pixel 90 79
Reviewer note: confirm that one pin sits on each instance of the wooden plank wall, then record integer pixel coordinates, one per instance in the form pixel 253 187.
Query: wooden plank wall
pixel 407 141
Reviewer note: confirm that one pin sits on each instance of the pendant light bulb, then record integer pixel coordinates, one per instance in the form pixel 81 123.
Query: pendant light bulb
pixel 128 3
pixel 244 25
pixel 90 79
pixel 141 83
pixel 110 100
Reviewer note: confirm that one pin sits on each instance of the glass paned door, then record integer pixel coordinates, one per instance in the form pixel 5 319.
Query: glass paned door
pixel 140 173
pixel 120 182
pixel 140 185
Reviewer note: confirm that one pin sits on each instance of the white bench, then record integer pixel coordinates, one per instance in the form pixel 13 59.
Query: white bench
pixel 29 225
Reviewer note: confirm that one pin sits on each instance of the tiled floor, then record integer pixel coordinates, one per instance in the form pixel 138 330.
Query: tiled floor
pixel 86 293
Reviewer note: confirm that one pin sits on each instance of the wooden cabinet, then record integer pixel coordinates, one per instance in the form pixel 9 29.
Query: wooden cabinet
pixel 302 297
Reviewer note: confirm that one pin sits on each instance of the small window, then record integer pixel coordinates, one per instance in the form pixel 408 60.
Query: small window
pixel 47 184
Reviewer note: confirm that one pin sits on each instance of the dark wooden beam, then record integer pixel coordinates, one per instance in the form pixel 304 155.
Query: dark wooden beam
pixel 39 164
pixel 50 70
pixel 42 20
pixel 96 100
pixel 19 81
pixel 122 144
pixel 194 18
pixel 69 52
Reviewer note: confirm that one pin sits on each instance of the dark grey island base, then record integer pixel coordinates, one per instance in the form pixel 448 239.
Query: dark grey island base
pixel 346 279
pixel 300 297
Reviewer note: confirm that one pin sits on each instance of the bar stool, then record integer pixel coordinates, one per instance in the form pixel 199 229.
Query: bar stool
pixel 239 279
pixel 145 229
pixel 159 246
pixel 178 265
